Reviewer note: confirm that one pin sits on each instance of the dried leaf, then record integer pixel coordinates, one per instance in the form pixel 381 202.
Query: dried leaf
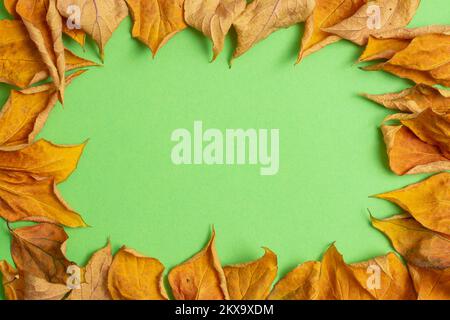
pixel 156 21
pixel 410 155
pixel 427 201
pixel 253 280
pixel 326 14
pixel 12 284
pixel 40 289
pixel 393 14
pixel 214 18
pixel 135 277
pixel 201 277
pixel 95 286
pixel 386 278
pixel 79 36
pixel 378 49
pixel 10 6
pixel 99 18
pixel 418 245
pixel 411 33
pixel 263 17
pixel 37 250
pixel 431 284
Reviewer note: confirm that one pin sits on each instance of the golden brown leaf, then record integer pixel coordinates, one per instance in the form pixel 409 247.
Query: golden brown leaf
pixel 418 245
pixel 201 277
pixel 37 250
pixel 253 280
pixel 411 33
pixel 263 17
pixel 40 289
pixel 12 284
pixel 326 14
pixel 302 283
pixel 99 18
pixel 393 14
pixel 386 278
pixel 410 155
pixel 79 36
pixel 431 284
pixel 427 201
pixel 135 277
pixel 95 285
pixel 10 6
pixel 156 21
pixel 213 18
pixel 377 49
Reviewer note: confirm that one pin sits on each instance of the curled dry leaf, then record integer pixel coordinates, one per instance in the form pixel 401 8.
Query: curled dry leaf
pixel 201 277
pixel 375 17
pixel 253 280
pixel 410 155
pixel 411 33
pixel 213 18
pixel 427 201
pixel 378 49
pixel 99 18
pixel 95 284
pixel 418 245
pixel 263 17
pixel 326 14
pixel 38 250
pixel 135 277
pixel 12 284
pixel 431 284
pixel 156 21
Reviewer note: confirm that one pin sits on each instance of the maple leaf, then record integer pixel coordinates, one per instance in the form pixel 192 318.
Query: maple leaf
pixel 253 280
pixel 262 17
pixel 393 14
pixel 417 244
pixel 156 21
pixel 431 284
pixel 135 277
pixel 326 14
pixel 214 18
pixel 201 277
pixel 99 18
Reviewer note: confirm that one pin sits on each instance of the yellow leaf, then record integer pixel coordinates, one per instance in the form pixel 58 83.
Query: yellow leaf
pixel 263 17
pixel 418 245
pixel 135 277
pixel 201 277
pixel 431 284
pixel 156 21
pixel 377 49
pixel 213 18
pixel 253 280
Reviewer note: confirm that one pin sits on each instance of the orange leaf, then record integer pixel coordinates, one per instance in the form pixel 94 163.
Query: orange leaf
pixel 431 284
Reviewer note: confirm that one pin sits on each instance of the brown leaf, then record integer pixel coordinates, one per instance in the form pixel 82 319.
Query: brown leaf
pixel 135 277
pixel 263 17
pixel 253 280
pixel 393 14
pixel 37 251
pixel 418 245
pixel 213 18
pixel 427 201
pixel 411 33
pixel 156 21
pixel 378 49
pixel 99 18
pixel 431 284
pixel 201 277
pixel 95 286
pixel 10 6
pixel 326 14
pixel 12 284
pixel 410 155
pixel 386 278
pixel 40 289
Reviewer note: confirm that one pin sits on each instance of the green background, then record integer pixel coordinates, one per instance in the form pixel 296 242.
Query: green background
pixel 332 155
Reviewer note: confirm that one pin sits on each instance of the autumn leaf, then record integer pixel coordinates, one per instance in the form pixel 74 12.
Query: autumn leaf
pixel 410 155
pixel 12 284
pixel 213 18
pixel 201 277
pixel 263 17
pixel 386 278
pixel 378 49
pixel 411 33
pixel 427 201
pixel 253 280
pixel 393 14
pixel 99 18
pixel 156 21
pixel 38 250
pixel 418 245
pixel 135 277
pixel 326 14
pixel 431 284
pixel 95 285
pixel 40 289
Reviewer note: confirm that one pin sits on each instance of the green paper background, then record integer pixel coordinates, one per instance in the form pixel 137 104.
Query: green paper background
pixel 332 155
